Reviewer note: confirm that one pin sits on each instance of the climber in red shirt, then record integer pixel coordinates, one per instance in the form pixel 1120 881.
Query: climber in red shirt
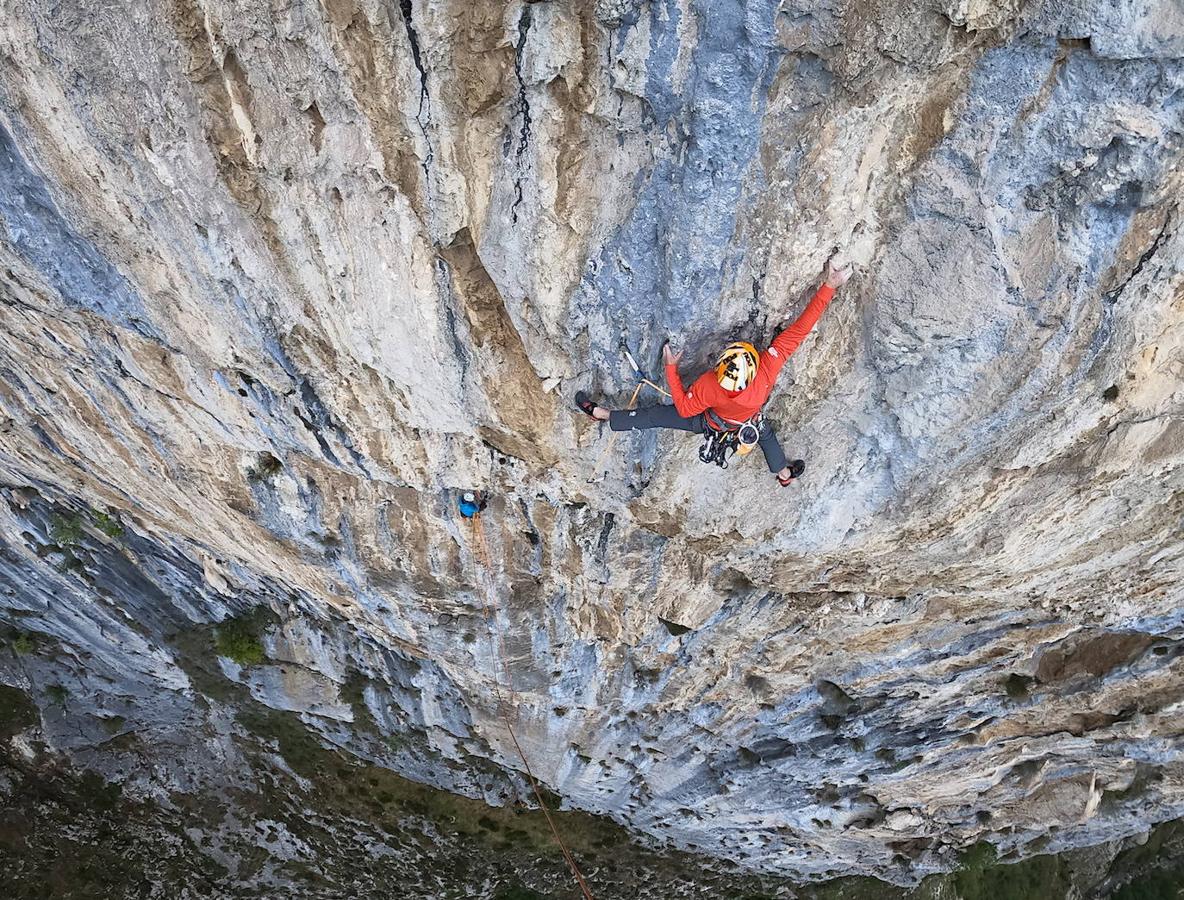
pixel 727 401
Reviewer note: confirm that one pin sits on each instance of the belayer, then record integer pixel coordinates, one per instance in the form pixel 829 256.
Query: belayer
pixel 471 503
pixel 725 404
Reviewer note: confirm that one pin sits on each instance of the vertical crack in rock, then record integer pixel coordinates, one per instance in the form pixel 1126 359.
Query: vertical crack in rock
pixel 523 109
pixel 406 8
pixel 523 412
pixel 423 115
pixel 1114 293
pixel 606 531
pixel 448 300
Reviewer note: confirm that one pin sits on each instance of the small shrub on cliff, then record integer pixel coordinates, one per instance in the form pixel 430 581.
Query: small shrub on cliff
pixel 265 467
pixel 107 524
pixel 982 877
pixel 65 530
pixel 1017 686
pixel 238 639
pixel 17 711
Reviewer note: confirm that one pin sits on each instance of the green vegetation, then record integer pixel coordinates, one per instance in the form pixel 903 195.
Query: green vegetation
pixel 266 466
pixel 1151 881
pixel 107 524
pixel 352 693
pixel 23 643
pixel 517 893
pixel 977 858
pixel 238 639
pixel 1157 885
pixel 512 841
pixel 354 788
pixel 1017 686
pixel 66 530
pixel 57 694
pixel 235 637
pixel 17 711
pixel 65 834
pixel 101 794
pixel 981 877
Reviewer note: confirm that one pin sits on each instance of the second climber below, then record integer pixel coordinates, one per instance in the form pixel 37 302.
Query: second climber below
pixel 727 400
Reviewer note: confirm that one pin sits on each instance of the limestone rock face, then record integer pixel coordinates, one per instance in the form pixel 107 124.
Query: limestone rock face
pixel 279 278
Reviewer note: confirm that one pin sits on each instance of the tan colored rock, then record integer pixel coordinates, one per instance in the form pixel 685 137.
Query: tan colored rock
pixel 278 280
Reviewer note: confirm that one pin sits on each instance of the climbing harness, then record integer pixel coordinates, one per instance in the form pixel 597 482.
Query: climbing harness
pixel 736 366
pixel 498 650
pixel 717 447
pixel 722 438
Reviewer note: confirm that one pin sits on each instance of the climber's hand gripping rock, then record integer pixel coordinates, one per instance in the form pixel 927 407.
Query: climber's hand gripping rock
pixel 835 277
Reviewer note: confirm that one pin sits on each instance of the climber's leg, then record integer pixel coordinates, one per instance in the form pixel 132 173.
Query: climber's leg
pixel 794 470
pixel 775 457
pixel 653 417
pixel 771 447
pixel 585 405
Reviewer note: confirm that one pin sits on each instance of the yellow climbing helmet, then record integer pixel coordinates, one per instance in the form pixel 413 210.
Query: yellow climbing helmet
pixel 736 366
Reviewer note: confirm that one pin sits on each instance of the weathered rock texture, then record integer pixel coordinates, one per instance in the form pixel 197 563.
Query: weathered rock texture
pixel 278 277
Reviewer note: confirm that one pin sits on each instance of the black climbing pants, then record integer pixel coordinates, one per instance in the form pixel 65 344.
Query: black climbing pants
pixel 668 417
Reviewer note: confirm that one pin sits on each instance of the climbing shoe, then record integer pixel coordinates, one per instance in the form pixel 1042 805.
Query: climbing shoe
pixel 796 468
pixel 585 404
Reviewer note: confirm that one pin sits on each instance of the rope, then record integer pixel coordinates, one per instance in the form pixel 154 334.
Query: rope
pixel 575 870
pixel 642 380
pixel 500 657
pixel 657 387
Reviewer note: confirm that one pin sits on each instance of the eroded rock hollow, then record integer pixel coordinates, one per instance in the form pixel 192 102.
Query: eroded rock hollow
pixel 280 278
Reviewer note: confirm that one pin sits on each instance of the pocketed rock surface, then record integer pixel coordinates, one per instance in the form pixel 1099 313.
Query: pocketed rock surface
pixel 280 278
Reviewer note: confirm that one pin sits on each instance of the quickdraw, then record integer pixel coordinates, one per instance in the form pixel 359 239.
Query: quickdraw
pixel 718 447
pixel 720 444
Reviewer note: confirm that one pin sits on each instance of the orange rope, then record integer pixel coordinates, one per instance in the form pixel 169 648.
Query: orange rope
pixel 657 387
pixel 491 624
pixel 632 403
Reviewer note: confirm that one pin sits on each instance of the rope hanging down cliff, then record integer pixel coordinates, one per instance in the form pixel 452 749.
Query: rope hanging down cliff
pixel 499 653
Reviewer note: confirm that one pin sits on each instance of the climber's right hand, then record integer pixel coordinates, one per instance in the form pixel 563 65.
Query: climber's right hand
pixel 669 357
pixel 836 277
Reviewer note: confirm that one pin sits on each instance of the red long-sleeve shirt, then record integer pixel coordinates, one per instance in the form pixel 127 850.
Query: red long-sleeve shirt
pixel 740 406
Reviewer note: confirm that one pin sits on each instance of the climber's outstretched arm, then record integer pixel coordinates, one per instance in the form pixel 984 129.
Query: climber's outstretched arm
pixel 791 338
